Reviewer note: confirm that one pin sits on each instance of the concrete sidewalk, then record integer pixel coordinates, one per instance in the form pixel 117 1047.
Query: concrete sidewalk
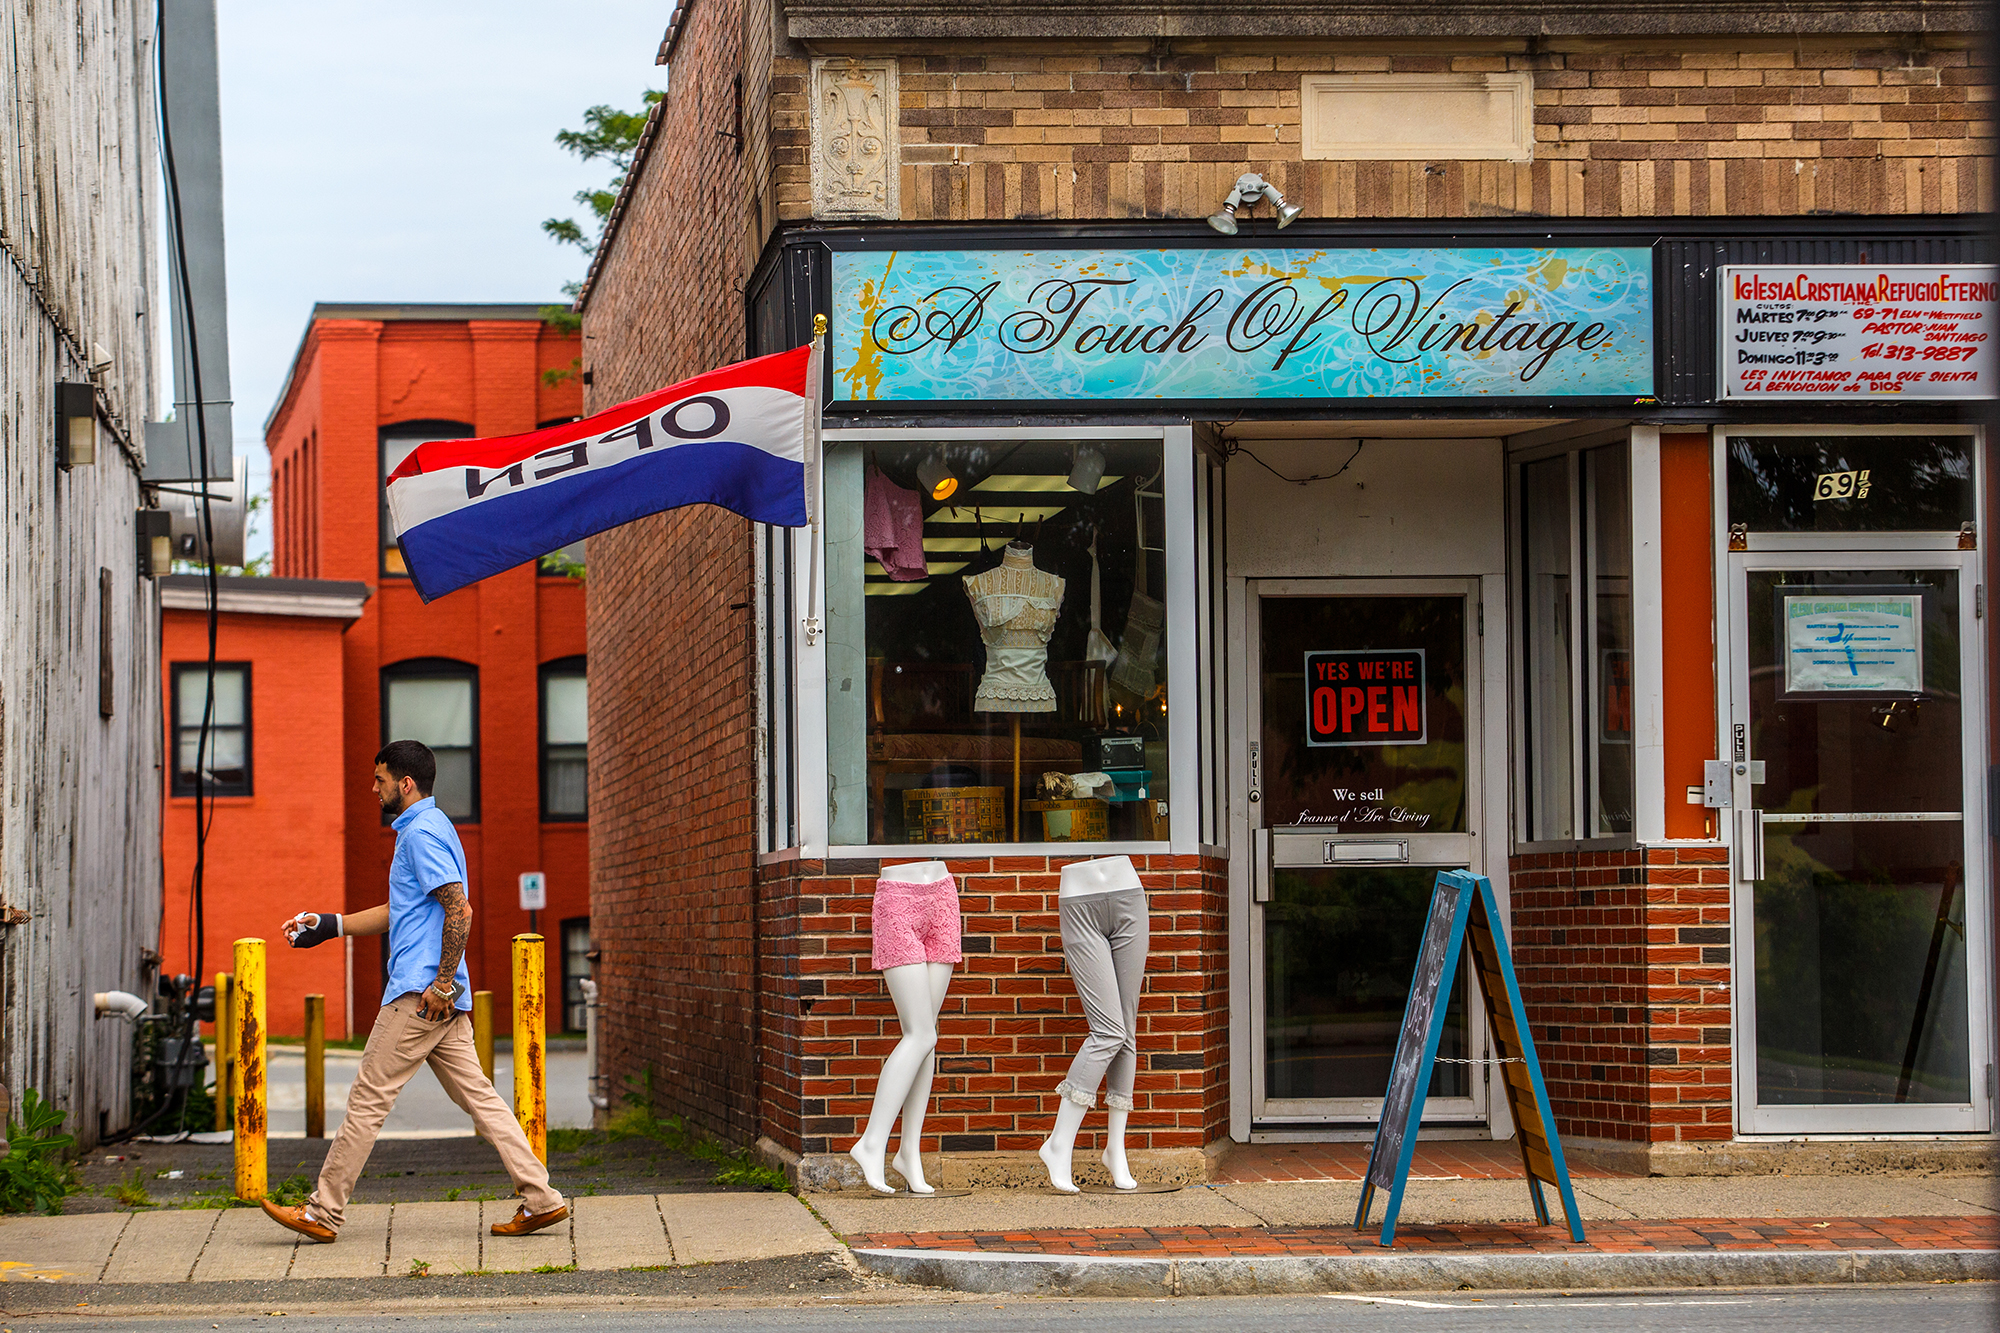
pixel 1251 1236
pixel 609 1233
pixel 1297 1236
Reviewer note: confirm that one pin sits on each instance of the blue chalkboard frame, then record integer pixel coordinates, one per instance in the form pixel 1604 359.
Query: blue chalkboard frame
pixel 1469 897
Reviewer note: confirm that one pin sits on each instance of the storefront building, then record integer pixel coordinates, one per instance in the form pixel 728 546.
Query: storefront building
pixel 1583 485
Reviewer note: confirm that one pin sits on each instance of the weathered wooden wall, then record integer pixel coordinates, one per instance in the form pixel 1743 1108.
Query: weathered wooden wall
pixel 79 792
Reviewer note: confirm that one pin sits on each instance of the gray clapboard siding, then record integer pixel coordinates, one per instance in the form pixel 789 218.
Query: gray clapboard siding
pixel 80 803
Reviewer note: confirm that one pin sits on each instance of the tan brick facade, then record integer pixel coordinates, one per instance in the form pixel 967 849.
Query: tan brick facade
pixel 1759 129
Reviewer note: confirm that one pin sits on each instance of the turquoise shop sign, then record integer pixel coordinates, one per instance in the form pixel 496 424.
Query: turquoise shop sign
pixel 1242 324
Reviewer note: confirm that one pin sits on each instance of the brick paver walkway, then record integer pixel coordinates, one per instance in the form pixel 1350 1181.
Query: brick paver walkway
pixel 1455 1159
pixel 1685 1234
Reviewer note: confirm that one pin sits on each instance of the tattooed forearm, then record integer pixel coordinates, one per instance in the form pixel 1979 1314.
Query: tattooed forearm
pixel 457 927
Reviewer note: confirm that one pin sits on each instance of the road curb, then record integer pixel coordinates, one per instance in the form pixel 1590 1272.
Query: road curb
pixel 997 1273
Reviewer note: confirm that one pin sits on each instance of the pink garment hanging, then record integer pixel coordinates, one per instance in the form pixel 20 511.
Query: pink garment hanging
pixel 892 527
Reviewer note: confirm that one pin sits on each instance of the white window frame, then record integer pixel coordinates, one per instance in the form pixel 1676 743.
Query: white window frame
pixel 1183 658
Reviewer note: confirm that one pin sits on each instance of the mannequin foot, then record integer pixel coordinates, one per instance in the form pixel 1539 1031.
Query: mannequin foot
pixel 1121 1174
pixel 871 1169
pixel 910 1165
pixel 1057 1161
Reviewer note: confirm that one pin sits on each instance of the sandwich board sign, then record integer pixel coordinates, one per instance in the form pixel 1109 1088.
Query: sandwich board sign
pixel 1464 915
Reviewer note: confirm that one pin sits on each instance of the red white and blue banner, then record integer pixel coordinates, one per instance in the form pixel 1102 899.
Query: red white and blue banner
pixel 745 437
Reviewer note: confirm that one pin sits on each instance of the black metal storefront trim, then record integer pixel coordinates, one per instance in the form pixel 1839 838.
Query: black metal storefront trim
pixel 793 280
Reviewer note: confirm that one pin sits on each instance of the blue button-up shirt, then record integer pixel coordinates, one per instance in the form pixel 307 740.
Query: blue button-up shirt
pixel 428 857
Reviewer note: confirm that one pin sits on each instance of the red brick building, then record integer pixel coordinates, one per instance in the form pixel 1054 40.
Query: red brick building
pixel 279 781
pixel 491 677
pixel 1518 393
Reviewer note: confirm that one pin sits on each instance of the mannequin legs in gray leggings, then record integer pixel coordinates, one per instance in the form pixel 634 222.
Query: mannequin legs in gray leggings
pixel 1104 942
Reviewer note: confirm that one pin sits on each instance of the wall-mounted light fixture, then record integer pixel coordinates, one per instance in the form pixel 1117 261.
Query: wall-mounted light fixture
pixel 76 425
pixel 1086 469
pixel 155 529
pixel 937 478
pixel 1249 188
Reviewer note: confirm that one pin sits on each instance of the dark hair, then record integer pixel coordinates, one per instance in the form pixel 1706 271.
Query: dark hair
pixel 410 759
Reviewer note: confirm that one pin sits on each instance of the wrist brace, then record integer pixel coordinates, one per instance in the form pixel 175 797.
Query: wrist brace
pixel 327 929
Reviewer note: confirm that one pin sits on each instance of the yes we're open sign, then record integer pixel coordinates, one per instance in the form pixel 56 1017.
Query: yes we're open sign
pixel 1365 698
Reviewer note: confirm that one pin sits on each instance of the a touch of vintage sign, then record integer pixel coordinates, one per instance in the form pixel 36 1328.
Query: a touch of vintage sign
pixel 1233 323
pixel 1854 645
pixel 1858 329
pixel 1365 698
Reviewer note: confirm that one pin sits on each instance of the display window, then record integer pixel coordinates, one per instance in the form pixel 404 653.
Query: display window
pixel 997 629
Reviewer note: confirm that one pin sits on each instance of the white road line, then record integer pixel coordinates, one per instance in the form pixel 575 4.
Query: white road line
pixel 1390 1300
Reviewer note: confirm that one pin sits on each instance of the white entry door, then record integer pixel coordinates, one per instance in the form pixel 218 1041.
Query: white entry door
pixel 1365 781
pixel 1856 733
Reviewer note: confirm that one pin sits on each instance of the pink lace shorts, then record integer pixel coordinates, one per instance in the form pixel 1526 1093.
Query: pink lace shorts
pixel 916 923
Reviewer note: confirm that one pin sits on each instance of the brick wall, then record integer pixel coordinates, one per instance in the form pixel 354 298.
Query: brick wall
pixel 1623 960
pixel 1011 1022
pixel 1762 128
pixel 672 686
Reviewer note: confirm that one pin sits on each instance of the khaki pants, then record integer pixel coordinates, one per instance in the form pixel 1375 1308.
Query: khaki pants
pixel 402 1040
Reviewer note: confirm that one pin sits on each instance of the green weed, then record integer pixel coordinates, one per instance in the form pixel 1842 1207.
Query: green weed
pixel 291 1191
pixel 553 1268
pixel 420 1268
pixel 735 1166
pixel 451 1195
pixel 131 1191
pixel 570 1140
pixel 34 1175
pixel 590 1159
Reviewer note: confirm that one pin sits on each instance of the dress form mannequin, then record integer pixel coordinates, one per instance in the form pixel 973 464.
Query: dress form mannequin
pixel 1104 928
pixel 917 988
pixel 1016 606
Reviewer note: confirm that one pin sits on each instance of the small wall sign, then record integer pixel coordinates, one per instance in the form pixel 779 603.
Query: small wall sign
pixel 1841 330
pixel 1366 698
pixel 1838 644
pixel 534 891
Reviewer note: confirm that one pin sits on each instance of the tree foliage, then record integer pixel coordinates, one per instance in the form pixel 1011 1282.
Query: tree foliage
pixel 611 136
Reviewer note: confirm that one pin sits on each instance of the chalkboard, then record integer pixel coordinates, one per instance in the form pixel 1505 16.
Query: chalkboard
pixel 1464 916
pixel 1417 1043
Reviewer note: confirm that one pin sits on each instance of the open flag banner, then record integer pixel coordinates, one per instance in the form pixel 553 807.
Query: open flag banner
pixel 745 437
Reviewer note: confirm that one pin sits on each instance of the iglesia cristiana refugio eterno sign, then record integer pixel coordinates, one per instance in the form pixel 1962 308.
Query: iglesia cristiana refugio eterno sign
pixel 1191 324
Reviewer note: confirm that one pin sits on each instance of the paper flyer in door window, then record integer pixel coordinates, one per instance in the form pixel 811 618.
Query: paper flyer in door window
pixel 1365 698
pixel 1853 644
pixel 1858 331
pixel 1614 726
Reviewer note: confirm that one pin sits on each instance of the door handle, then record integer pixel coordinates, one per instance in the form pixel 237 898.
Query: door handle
pixel 1750 845
pixel 1260 865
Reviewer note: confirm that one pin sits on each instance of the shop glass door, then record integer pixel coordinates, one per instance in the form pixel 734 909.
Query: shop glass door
pixel 1363 786
pixel 1856 736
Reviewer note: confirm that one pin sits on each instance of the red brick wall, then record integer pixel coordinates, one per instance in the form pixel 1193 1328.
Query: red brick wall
pixel 1623 961
pixel 353 377
pixel 672 627
pixel 1011 1022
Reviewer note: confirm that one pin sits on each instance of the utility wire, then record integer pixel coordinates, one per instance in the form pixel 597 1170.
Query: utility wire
pixel 1235 449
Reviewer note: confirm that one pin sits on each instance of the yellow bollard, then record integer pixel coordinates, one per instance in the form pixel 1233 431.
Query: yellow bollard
pixel 531 1101
pixel 482 1030
pixel 225 1060
pixel 251 1178
pixel 315 1066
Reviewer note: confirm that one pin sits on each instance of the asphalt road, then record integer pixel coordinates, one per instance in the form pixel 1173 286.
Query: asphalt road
pixel 1812 1310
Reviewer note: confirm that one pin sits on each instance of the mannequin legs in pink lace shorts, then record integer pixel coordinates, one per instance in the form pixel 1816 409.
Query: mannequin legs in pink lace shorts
pixel 917 932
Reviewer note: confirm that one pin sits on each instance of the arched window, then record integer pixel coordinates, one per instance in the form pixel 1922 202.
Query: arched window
pixel 395 444
pixel 436 700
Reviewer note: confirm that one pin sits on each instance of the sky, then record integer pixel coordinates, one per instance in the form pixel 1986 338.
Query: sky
pixel 404 151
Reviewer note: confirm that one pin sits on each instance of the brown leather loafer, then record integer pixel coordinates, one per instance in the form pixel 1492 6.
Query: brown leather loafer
pixel 525 1223
pixel 301 1221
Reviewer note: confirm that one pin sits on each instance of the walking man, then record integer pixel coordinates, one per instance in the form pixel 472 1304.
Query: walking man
pixel 426 1014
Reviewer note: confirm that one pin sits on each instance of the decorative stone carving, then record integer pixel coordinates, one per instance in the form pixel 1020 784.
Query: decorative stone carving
pixel 856 162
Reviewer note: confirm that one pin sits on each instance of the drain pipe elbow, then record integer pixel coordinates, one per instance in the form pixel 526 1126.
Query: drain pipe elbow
pixel 119 1004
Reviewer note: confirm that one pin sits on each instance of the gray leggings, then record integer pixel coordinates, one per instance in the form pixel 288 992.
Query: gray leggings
pixel 1104 943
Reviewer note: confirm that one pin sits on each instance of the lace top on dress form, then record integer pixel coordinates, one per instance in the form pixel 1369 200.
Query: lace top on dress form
pixel 1016 607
